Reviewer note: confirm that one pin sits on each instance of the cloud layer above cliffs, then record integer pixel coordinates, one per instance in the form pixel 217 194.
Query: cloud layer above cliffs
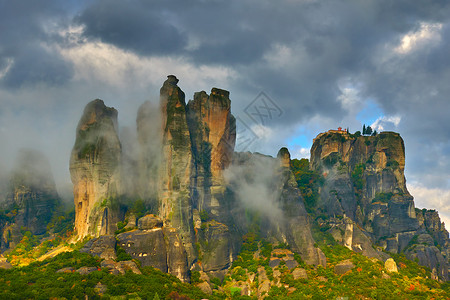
pixel 323 63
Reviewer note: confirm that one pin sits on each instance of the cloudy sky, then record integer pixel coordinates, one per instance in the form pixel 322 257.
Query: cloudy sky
pixel 294 68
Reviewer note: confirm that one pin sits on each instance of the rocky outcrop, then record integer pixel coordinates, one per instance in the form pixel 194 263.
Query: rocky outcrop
pixel 175 206
pixel 296 226
pixel 365 188
pixel 365 174
pixel 31 198
pixel 103 247
pixel 390 266
pixel 213 134
pixel 430 245
pixel 159 247
pixel 343 267
pixel 94 165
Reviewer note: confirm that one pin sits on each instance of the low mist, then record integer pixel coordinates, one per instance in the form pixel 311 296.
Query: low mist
pixel 254 181
pixel 142 153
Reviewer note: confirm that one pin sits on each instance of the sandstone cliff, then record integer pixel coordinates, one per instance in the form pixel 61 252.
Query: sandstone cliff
pixel 365 195
pixel 213 134
pixel 94 165
pixel 175 205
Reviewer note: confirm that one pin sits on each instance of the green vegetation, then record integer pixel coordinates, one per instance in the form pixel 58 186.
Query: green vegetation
pixel 39 280
pixel 62 222
pixel 308 182
pixel 358 179
pixel 331 159
pixel 204 216
pixel 392 164
pixel 382 197
pixel 368 279
pixel 122 255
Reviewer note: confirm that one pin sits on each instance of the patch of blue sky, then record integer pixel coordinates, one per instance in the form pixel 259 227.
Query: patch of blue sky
pixel 298 140
pixel 370 113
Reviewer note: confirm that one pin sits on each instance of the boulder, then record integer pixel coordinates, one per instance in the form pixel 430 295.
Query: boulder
pixel 86 270
pixel 299 273
pixel 204 286
pixel 390 265
pixel 343 267
pixel 103 247
pixel 149 222
pixel 66 270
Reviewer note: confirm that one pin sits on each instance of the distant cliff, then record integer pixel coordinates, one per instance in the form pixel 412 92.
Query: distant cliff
pixel 365 193
pixel 31 198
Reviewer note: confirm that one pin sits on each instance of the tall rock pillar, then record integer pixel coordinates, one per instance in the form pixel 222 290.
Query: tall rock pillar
pixel 213 135
pixel 174 187
pixel 94 165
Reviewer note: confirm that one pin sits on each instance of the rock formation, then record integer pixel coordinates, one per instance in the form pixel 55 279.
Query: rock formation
pixel 31 198
pixel 365 195
pixel 201 197
pixel 213 134
pixel 175 205
pixel 94 165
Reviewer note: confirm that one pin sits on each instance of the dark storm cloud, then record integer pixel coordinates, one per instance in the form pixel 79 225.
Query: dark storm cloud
pixel 25 39
pixel 326 42
pixel 132 25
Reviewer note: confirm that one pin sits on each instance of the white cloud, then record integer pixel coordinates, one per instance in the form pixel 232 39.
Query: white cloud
pixel 107 64
pixel 427 35
pixel 386 123
pixel 301 153
pixel 432 198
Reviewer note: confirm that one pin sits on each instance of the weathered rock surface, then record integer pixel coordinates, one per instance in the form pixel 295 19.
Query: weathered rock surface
pixel 94 165
pixel 149 222
pixel 390 266
pixel 215 244
pixel 372 167
pixel 86 270
pixel 213 134
pixel 299 273
pixel 160 248
pixel 120 267
pixel 175 206
pixel 32 197
pixel 365 186
pixel 343 267
pixel 103 247
pixel 66 270
pixel 205 287
pixel 4 263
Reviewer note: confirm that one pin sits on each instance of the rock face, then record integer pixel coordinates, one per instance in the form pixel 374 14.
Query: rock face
pixel 94 165
pixel 213 134
pixel 32 198
pixel 267 187
pixel 159 247
pixel 431 244
pixel 365 195
pixel 175 205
